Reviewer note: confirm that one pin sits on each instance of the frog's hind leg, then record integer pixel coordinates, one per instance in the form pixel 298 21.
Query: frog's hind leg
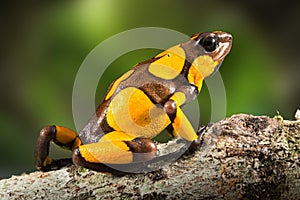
pixel 114 148
pixel 61 136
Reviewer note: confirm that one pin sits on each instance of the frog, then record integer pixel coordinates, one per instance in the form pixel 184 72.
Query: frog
pixel 137 107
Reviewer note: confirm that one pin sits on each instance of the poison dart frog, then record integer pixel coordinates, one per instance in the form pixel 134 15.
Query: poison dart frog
pixel 138 106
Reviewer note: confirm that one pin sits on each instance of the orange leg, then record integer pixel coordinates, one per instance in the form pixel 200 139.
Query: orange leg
pixel 114 148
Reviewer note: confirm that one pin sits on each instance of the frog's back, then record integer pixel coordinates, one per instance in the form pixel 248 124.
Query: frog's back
pixel 153 91
pixel 157 89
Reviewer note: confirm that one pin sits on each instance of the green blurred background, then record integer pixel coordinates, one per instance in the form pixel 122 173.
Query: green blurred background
pixel 44 44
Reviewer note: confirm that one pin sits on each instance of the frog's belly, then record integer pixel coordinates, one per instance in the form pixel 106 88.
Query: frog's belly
pixel 132 112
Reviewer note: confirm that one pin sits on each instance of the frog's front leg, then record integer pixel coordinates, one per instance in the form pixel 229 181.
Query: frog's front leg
pixel 61 136
pixel 115 147
pixel 180 125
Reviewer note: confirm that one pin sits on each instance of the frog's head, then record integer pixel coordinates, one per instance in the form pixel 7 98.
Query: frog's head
pixel 205 53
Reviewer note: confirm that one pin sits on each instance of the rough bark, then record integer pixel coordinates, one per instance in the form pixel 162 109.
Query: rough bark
pixel 243 156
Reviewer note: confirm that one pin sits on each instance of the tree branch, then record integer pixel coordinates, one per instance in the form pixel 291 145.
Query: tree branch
pixel 243 156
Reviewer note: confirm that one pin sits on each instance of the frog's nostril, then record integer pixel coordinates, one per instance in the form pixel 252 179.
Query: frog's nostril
pixel 229 37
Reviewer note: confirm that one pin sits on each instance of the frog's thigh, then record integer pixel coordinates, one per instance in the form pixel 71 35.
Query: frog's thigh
pixel 115 148
pixel 131 111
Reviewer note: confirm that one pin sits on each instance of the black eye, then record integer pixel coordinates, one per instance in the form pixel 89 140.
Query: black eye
pixel 209 43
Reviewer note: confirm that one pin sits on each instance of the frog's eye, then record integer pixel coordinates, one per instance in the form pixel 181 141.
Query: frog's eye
pixel 209 43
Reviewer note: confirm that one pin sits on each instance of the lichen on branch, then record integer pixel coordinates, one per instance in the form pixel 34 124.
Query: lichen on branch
pixel 243 156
